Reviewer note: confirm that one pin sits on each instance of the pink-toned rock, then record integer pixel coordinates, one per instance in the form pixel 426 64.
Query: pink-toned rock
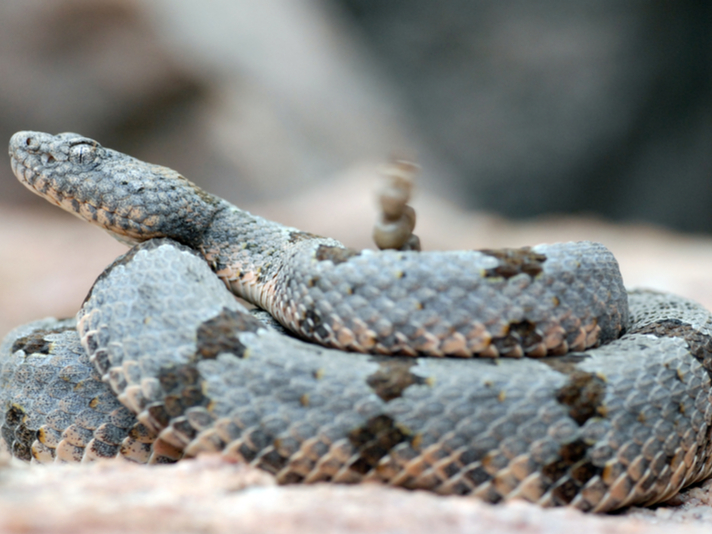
pixel 211 495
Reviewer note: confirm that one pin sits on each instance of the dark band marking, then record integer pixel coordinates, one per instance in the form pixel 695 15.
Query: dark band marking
pixel 393 378
pixel 253 442
pixel 272 461
pixel 298 236
pixel 700 345
pixel 583 394
pixel 570 472
pixel 564 364
pixel 183 387
pixel 522 334
pixel 16 434
pixel 183 428
pixel 373 441
pixel 335 255
pixel 221 334
pixel 514 261
pixel 35 343
pixel 312 324
pixel 159 416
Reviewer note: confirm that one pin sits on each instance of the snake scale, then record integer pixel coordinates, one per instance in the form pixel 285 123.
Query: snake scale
pixel 516 373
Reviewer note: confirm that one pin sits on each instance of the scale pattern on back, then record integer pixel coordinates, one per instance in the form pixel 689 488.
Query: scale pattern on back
pixel 625 423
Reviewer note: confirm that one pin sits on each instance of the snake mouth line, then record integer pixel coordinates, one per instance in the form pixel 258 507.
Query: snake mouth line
pixel 132 200
pixel 18 168
pixel 121 227
pixel 40 184
pixel 30 178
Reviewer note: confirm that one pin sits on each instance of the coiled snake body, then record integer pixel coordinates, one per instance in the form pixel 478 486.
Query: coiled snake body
pixel 599 428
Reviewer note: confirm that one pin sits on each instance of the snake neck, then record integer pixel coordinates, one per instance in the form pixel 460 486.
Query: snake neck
pixel 249 252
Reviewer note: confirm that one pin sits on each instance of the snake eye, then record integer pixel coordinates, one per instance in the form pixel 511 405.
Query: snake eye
pixel 83 153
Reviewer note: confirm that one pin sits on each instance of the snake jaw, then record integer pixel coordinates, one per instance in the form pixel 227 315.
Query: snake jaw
pixel 36 156
pixel 132 200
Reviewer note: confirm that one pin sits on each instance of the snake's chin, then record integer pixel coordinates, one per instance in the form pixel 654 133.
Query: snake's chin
pixel 124 239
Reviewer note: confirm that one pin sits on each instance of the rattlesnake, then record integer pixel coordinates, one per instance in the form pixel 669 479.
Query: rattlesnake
pixel 599 428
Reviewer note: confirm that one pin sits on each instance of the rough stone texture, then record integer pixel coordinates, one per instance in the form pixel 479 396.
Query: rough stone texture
pixel 209 495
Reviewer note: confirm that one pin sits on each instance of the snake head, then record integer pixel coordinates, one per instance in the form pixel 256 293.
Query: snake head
pixel 132 200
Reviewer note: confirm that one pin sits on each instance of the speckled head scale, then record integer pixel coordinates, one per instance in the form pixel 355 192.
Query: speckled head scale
pixel 130 199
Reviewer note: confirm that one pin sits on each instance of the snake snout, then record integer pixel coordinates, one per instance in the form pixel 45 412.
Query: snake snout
pixel 27 141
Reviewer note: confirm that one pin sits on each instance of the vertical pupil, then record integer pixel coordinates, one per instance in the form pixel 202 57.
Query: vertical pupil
pixel 80 153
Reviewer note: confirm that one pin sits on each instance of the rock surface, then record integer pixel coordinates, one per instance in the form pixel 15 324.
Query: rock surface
pixel 210 495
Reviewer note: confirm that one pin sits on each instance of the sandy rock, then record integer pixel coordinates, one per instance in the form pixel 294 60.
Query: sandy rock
pixel 210 495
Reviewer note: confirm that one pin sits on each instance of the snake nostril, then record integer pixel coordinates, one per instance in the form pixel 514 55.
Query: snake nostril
pixel 31 143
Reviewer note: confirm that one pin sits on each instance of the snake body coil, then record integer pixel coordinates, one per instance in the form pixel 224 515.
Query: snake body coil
pixel 624 423
pixel 491 303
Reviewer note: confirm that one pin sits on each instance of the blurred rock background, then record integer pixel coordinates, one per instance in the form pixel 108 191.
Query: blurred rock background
pixel 519 110
pixel 602 107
